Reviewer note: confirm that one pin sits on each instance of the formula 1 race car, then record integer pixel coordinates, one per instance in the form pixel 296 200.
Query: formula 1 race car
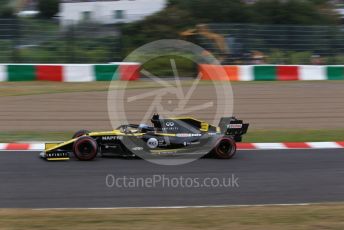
pixel 181 136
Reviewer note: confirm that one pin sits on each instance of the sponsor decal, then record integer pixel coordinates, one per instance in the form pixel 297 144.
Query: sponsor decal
pixel 170 128
pixel 191 143
pixel 137 148
pixel 169 124
pixel 167 153
pixel 162 143
pixel 196 134
pixel 195 143
pixel 111 138
pixel 49 155
pixel 152 143
pixel 188 134
pixel 183 134
pixel 234 126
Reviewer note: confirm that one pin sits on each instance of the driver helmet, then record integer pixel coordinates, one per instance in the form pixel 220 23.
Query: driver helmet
pixel 143 126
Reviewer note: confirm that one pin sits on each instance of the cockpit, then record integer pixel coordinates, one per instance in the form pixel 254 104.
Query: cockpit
pixel 175 125
pixel 133 128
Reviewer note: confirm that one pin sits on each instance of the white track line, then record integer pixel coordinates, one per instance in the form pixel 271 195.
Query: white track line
pixel 36 146
pixel 181 207
pixel 3 146
pixel 324 145
pixel 269 146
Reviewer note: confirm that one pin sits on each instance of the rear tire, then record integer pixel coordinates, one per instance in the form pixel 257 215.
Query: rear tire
pixel 225 148
pixel 85 148
pixel 80 133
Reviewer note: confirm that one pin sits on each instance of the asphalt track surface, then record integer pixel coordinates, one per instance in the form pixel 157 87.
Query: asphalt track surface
pixel 265 177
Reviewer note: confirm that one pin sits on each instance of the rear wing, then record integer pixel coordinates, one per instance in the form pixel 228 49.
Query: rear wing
pixel 231 126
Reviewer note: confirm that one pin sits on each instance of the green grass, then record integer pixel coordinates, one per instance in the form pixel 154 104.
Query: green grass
pixel 44 87
pixel 6 137
pixel 320 216
pixel 41 87
pixel 252 136
pixel 294 135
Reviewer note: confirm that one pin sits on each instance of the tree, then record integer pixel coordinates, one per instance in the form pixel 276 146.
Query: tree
pixel 300 12
pixel 48 8
pixel 180 15
pixel 293 12
pixel 204 11
pixel 6 10
pixel 162 25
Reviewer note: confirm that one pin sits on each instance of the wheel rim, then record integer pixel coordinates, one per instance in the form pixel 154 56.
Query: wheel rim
pixel 224 147
pixel 85 148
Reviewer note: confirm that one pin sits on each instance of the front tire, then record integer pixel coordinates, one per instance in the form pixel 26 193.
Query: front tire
pixel 225 148
pixel 80 133
pixel 85 148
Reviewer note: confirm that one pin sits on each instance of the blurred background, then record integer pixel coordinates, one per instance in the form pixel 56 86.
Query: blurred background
pixel 284 60
pixel 235 31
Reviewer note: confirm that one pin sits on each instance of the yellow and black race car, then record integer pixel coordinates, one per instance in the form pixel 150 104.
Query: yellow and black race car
pixel 181 136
